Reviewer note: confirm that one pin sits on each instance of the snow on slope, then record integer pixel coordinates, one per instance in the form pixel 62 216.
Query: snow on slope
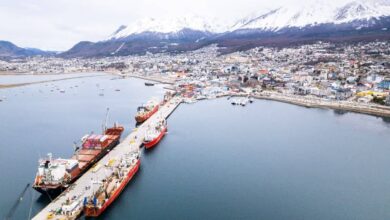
pixel 168 25
pixel 294 15
pixel 318 12
pixel 360 9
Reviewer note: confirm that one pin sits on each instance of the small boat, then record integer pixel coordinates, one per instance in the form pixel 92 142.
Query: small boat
pixel 244 101
pixel 154 134
pixel 149 84
pixel 236 101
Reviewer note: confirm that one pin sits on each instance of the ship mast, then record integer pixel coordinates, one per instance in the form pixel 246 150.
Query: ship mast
pixel 104 126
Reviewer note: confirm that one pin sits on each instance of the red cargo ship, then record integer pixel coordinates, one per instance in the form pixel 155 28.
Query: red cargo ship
pixel 146 111
pixel 110 188
pixel 155 134
pixel 55 175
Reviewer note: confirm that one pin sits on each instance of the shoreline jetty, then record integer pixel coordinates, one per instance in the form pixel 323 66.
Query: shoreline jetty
pixel 314 102
pixel 157 79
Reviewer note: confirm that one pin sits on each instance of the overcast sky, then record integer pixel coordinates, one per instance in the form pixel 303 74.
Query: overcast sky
pixel 59 24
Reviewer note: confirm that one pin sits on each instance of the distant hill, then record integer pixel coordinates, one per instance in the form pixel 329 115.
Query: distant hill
pixel 10 50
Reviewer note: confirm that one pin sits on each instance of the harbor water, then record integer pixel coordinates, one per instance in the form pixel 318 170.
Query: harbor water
pixel 268 160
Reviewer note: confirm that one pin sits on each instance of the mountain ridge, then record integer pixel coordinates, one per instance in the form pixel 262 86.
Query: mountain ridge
pixel 281 26
pixel 319 12
pixel 10 50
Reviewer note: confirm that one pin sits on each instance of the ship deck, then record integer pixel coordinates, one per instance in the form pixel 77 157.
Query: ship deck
pixel 130 143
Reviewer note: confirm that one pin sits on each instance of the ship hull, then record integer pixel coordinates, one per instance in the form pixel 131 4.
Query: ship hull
pixel 144 117
pixel 55 190
pixel 51 191
pixel 94 211
pixel 155 141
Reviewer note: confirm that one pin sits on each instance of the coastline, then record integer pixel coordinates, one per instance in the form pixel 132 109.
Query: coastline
pixel 6 86
pixel 309 102
pixel 10 73
pixel 305 101
pixel 312 102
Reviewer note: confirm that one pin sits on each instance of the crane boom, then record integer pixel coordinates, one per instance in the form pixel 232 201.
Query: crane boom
pixel 16 204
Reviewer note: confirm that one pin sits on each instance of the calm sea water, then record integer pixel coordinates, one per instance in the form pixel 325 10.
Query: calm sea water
pixel 268 160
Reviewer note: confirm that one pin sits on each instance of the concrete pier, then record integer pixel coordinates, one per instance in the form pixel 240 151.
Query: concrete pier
pixel 80 188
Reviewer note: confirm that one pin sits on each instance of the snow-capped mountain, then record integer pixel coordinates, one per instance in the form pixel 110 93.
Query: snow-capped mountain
pixel 358 20
pixel 319 12
pixel 170 25
pixel 295 15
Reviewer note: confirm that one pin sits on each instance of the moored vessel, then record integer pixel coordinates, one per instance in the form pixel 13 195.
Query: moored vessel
pixel 107 190
pixel 244 101
pixel 149 84
pixel 146 111
pixel 155 133
pixel 55 175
